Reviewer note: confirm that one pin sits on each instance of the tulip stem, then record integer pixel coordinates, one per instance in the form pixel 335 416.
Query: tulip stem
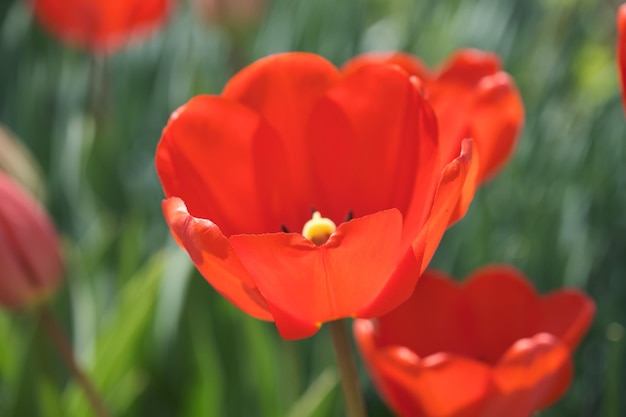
pixel 62 344
pixel 98 87
pixel 355 406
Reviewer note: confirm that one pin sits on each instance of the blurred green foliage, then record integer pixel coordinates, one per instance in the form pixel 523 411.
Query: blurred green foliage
pixel 158 341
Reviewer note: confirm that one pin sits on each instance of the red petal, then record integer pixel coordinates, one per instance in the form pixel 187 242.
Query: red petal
pixel 436 295
pixel 446 199
pixel 448 385
pixel 373 138
pixel 503 308
pixel 567 315
pixel 398 288
pixel 214 257
pixel 394 393
pixel 207 156
pixel 442 385
pixel 621 50
pixel 409 63
pixel 414 261
pixel 495 122
pixel 304 283
pixel 532 374
pixel 283 89
pixel 453 93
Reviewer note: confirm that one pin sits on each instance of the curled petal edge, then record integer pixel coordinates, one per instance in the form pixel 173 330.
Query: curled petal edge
pixel 532 374
pixel 213 255
pixel 449 193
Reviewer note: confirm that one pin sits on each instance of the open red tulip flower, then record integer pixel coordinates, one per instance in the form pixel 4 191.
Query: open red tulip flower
pixel 31 266
pixel 488 347
pixel 306 195
pixel 472 97
pixel 101 26
pixel 621 50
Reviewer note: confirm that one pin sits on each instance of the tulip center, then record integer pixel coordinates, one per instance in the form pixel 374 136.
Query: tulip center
pixel 318 229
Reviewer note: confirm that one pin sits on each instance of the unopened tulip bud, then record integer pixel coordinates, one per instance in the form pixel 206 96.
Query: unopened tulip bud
pixel 31 266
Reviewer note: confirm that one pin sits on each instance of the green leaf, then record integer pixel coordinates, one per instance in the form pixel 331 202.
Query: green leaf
pixel 205 397
pixel 115 368
pixel 49 398
pixel 317 400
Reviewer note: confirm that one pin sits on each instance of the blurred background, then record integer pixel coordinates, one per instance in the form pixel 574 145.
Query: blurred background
pixel 157 339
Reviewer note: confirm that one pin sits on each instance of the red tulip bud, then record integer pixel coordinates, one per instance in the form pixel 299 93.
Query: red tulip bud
pixel 30 259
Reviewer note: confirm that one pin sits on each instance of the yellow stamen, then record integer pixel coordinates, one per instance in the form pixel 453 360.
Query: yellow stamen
pixel 318 229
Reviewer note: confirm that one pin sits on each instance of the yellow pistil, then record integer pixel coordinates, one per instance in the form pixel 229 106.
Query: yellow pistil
pixel 318 229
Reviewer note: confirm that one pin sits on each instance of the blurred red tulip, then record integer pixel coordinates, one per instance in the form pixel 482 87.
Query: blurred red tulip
pixel 490 347
pixel 621 50
pixel 291 133
pixel 102 26
pixel 472 98
pixel 30 260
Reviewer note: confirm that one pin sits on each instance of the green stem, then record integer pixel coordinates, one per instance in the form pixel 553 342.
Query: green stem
pixel 355 406
pixel 98 88
pixel 60 341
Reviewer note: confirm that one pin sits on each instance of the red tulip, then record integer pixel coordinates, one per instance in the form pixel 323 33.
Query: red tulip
pixel 30 259
pixel 621 50
pixel 101 26
pixel 472 97
pixel 291 134
pixel 489 347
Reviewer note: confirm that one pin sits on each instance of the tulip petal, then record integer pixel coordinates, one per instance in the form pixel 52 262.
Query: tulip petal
pixel 283 89
pixel 398 288
pixel 206 157
pixel 355 169
pixel 447 197
pixel 315 284
pixel 566 314
pixel 409 63
pixel 413 263
pixel 495 122
pixel 441 385
pixel 436 295
pixel 502 305
pixel 531 375
pixel 214 257
pixel 382 370
pixel 453 93
pixel 449 385
pixel 621 50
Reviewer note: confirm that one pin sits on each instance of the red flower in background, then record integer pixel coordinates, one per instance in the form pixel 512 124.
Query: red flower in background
pixel 472 98
pixel 621 50
pixel 101 26
pixel 289 134
pixel 494 348
pixel 29 249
